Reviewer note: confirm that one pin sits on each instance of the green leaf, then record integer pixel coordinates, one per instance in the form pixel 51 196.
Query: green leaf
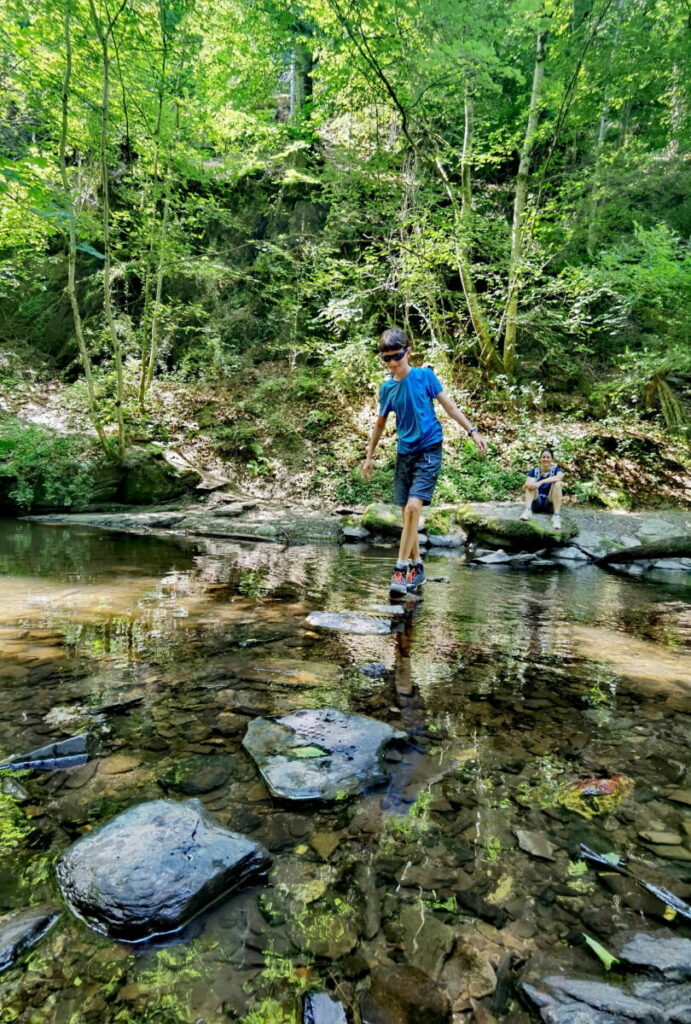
pixel 308 752
pixel 608 959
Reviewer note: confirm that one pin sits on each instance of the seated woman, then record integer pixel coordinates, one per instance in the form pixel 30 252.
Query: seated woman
pixel 542 489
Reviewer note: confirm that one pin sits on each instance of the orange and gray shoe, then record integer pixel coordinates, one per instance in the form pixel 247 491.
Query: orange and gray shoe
pixel 415 576
pixel 398 584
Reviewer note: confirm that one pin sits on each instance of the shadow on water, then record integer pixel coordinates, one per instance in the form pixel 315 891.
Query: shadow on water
pixel 509 686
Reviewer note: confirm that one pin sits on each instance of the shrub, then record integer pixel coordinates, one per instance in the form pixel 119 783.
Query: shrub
pixel 45 468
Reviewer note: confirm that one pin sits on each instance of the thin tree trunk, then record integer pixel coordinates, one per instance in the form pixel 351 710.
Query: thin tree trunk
pixel 601 132
pixel 107 296
pixel 300 82
pixel 520 198
pixel 147 315
pixel 72 241
pixel 488 355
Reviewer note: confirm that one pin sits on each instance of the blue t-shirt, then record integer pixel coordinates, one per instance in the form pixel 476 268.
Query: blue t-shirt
pixel 536 474
pixel 411 400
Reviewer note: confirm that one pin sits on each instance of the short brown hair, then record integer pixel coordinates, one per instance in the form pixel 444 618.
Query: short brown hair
pixel 393 340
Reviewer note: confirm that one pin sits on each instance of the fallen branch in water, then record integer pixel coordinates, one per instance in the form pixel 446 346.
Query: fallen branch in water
pixel 670 547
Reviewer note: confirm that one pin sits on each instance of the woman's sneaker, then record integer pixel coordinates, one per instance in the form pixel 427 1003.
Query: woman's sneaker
pixel 415 576
pixel 398 586
pixel 556 521
pixel 526 514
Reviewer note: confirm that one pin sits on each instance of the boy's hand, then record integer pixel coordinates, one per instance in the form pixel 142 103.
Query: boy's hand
pixel 367 468
pixel 479 440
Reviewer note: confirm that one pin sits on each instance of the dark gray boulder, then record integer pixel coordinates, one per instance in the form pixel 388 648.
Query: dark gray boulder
pixel 63 754
pixel 23 929
pixel 152 868
pixel 321 754
pixel 322 1009
pixel 671 956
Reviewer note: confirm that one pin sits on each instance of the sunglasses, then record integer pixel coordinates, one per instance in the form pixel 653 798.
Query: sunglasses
pixel 393 356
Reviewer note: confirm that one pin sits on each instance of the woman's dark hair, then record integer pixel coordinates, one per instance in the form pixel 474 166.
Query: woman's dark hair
pixel 393 340
pixel 548 451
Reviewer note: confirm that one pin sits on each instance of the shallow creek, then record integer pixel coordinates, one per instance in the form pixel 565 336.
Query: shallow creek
pixel 509 684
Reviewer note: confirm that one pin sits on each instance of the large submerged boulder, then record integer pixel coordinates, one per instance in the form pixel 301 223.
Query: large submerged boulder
pixel 152 868
pixel 321 754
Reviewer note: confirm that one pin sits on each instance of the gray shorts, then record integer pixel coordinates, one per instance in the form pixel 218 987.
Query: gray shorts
pixel 416 475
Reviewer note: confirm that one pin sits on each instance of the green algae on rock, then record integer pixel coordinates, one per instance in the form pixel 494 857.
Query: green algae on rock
pixel 515 533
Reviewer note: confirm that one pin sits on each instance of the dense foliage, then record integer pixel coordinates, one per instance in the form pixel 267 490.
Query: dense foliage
pixel 197 188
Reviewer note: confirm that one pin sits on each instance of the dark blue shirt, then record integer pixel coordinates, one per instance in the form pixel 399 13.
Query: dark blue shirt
pixel 411 400
pixel 536 474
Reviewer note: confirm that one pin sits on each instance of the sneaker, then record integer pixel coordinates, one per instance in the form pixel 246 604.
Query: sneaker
pixel 526 514
pixel 398 582
pixel 415 576
pixel 556 521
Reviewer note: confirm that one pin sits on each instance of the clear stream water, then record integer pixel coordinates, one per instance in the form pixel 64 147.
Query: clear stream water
pixel 510 684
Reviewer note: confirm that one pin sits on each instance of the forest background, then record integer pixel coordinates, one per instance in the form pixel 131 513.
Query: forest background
pixel 210 210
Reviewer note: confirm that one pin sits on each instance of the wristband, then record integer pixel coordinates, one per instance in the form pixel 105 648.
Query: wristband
pixel 473 430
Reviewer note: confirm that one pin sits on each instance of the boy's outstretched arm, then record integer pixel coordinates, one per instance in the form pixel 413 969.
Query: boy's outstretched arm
pixel 455 413
pixel 377 432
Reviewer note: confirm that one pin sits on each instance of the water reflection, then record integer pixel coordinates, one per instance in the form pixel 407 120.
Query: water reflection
pixel 508 684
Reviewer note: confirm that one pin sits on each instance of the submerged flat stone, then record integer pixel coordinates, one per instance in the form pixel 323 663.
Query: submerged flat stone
pixel 62 754
pixel 22 929
pixel 152 868
pixel 320 754
pixel 348 622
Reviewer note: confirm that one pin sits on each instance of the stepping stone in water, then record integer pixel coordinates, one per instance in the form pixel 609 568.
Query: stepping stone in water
pixel 348 622
pixel 152 868
pixel 321 754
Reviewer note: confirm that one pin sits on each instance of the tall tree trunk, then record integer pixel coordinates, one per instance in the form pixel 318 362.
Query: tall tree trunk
pixel 155 239
pixel 520 198
pixel 599 143
pixel 72 240
pixel 300 80
pixel 103 35
pixel 488 356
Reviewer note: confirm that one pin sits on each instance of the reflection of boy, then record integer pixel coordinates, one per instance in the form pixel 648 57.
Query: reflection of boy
pixel 543 490
pixel 410 393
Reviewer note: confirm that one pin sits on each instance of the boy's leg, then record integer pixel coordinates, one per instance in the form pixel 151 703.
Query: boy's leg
pixel 410 546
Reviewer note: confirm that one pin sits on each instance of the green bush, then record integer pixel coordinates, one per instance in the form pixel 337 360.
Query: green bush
pixel 44 468
pixel 475 477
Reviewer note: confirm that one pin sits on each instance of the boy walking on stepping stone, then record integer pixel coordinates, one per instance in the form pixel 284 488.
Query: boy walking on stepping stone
pixel 409 393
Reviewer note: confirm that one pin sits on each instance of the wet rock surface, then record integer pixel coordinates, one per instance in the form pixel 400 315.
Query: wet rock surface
pixel 23 929
pixel 62 754
pixel 348 622
pixel 404 995
pixel 152 868
pixel 320 754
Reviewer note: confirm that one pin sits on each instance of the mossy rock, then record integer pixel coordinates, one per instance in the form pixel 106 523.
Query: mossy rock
pixel 382 518
pixel 517 534
pixel 385 519
pixel 149 479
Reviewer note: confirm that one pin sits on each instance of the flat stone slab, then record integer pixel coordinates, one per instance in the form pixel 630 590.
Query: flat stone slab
pixel 151 869
pixel 22 929
pixel 670 956
pixel 348 622
pixel 67 753
pixel 320 754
